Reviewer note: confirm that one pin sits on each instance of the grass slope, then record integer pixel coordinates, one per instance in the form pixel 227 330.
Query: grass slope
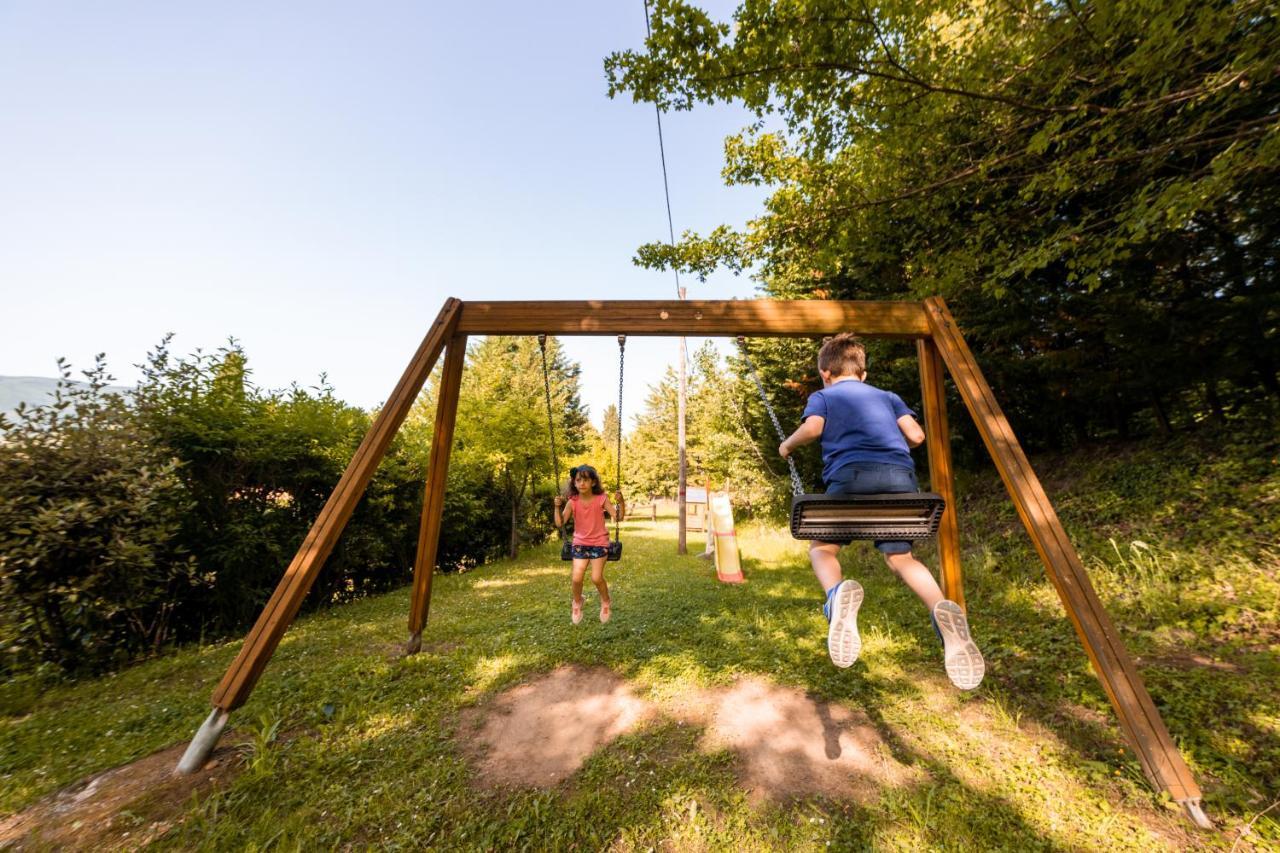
pixel 1182 554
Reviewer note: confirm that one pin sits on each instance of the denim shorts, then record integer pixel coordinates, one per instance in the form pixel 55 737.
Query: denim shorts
pixel 589 552
pixel 875 478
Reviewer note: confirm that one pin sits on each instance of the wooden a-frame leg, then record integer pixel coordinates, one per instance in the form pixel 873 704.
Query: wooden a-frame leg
pixel 433 500
pixel 261 642
pixel 1139 719
pixel 941 475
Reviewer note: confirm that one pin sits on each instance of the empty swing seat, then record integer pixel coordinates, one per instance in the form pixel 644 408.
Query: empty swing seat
pixel 848 518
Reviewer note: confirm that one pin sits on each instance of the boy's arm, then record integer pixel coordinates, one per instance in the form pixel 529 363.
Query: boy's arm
pixel 911 430
pixel 809 431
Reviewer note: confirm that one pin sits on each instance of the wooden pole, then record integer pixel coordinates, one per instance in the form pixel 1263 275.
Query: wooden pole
pixel 682 523
pixel 433 500
pixel 682 463
pixel 262 640
pixel 941 476
pixel 1139 719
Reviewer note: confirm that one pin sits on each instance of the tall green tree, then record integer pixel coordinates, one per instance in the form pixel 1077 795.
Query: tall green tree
pixel 1090 184
pixel 722 441
pixel 501 464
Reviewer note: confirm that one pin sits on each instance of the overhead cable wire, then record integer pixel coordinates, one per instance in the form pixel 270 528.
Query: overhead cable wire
pixel 662 153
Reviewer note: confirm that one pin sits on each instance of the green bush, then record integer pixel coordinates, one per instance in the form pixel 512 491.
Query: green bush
pixel 92 570
pixel 259 466
pixel 171 515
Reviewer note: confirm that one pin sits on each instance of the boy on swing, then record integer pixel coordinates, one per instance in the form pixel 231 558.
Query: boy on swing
pixel 867 435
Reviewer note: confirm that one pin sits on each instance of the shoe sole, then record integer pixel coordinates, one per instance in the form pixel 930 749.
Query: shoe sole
pixel 843 643
pixel 965 666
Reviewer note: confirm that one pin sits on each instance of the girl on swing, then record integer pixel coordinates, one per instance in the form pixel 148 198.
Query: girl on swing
pixel 588 506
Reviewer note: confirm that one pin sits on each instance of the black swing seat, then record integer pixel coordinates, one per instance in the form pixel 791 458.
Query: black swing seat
pixel 615 550
pixel 846 518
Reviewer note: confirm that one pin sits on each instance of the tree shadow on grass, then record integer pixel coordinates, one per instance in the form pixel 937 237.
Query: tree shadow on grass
pixel 691 792
pixel 1017 637
pixel 1038 671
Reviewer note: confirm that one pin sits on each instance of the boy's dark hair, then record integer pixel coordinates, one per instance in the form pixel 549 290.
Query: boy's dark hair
pixel 596 488
pixel 843 355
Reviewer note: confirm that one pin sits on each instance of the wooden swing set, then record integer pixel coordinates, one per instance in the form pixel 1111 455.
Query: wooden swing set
pixel 938 343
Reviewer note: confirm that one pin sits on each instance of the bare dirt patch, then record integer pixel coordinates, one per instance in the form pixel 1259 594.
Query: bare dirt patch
pixel 539 733
pixel 119 809
pixel 789 744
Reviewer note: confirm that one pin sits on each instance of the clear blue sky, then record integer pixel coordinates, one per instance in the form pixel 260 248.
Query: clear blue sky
pixel 315 178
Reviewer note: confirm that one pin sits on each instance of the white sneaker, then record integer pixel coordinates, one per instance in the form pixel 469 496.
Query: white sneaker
pixel 964 663
pixel 843 642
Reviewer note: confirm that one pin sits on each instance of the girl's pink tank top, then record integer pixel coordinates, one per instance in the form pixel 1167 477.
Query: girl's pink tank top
pixel 589 527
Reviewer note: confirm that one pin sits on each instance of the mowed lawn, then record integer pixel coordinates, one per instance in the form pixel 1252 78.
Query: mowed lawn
pixel 346 742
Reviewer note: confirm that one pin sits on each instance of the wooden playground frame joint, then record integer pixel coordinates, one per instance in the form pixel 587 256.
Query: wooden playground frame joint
pixel 940 348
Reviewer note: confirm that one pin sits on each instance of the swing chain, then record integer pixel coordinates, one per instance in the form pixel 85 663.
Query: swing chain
pixel 551 428
pixel 622 355
pixel 797 487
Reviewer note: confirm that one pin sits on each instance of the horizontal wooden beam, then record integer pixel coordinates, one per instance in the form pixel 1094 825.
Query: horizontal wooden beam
pixel 697 318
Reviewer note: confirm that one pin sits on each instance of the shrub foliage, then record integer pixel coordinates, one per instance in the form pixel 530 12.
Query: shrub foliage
pixel 169 515
pixel 92 565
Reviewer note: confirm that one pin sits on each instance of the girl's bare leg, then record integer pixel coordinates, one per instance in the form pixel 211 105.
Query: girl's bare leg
pixel 579 572
pixel 597 578
pixel 825 564
pixel 916 576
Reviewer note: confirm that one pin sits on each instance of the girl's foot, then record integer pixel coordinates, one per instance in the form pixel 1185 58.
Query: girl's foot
pixel 964 663
pixel 841 609
pixel 577 612
pixel 606 607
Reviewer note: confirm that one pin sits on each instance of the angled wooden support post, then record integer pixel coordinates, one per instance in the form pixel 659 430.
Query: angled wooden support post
pixel 941 475
pixel 433 501
pixel 1139 719
pixel 274 620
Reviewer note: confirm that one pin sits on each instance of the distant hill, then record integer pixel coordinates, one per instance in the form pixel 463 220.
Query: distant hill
pixel 34 390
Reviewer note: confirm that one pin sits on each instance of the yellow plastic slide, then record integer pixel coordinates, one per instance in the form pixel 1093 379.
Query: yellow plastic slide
pixel 722 539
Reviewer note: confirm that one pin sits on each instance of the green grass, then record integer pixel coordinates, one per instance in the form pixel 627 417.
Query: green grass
pixel 1033 760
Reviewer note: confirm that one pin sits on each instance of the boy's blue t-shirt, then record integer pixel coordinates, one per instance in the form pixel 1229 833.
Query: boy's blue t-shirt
pixel 861 426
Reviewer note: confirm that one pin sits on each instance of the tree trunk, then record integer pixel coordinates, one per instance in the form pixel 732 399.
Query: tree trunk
pixel 514 550
pixel 1214 401
pixel 1080 427
pixel 517 499
pixel 1267 374
pixel 1120 418
pixel 1162 417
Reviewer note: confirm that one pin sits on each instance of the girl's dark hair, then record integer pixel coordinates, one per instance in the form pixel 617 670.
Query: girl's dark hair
pixel 596 488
